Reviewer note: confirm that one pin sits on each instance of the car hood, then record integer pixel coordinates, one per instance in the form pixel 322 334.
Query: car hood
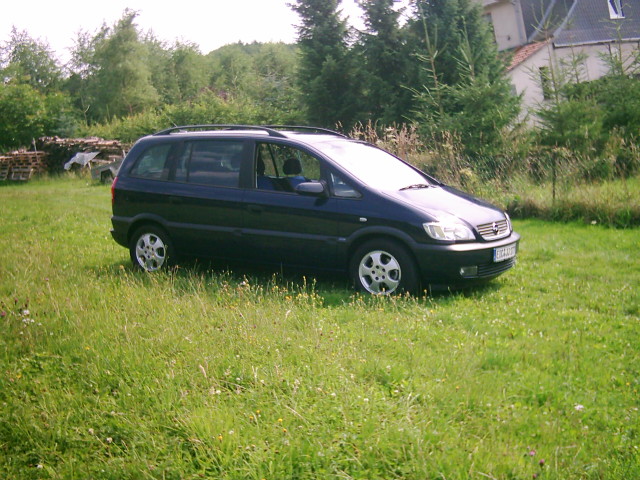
pixel 442 202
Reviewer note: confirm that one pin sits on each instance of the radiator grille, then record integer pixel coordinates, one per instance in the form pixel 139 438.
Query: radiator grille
pixel 494 230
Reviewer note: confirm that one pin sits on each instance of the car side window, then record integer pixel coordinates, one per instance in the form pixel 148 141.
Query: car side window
pixel 282 167
pixel 211 162
pixel 182 164
pixel 154 163
pixel 342 189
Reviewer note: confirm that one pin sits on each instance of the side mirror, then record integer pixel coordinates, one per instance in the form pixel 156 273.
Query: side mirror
pixel 312 189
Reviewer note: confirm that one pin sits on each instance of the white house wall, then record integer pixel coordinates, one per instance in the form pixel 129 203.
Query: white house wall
pixel 507 23
pixel 525 77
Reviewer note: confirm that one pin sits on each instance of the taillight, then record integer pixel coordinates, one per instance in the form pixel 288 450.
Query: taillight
pixel 113 191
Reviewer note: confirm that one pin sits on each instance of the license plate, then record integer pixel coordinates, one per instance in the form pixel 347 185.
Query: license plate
pixel 504 253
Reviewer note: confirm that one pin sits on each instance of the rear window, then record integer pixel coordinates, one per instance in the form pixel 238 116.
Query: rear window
pixel 153 164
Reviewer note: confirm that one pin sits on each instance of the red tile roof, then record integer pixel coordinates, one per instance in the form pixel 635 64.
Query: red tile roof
pixel 524 52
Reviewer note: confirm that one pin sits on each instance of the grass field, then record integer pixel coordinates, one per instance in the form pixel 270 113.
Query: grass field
pixel 107 373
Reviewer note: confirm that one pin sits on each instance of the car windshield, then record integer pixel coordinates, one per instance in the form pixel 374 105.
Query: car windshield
pixel 374 167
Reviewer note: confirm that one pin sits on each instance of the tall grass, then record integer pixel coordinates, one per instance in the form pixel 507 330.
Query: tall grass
pixel 551 184
pixel 109 373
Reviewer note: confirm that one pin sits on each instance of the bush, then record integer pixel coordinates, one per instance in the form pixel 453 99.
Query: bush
pixel 208 108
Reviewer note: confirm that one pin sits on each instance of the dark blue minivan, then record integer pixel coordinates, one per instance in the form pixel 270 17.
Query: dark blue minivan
pixel 307 198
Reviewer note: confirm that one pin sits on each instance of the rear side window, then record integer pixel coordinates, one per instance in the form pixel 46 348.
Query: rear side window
pixel 211 162
pixel 153 164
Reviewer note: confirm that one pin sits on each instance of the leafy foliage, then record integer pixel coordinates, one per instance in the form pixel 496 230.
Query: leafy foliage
pixel 117 79
pixel 28 114
pixel 599 119
pixel 454 36
pixel 263 75
pixel 24 60
pixel 121 76
pixel 437 69
pixel 22 116
pixel 31 103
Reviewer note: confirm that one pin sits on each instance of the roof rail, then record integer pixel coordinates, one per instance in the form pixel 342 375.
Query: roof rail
pixel 304 129
pixel 272 132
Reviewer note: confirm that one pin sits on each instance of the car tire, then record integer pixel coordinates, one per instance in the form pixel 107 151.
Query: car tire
pixel 151 249
pixel 384 267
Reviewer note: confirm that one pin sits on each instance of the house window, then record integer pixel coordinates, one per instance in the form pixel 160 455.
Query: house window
pixel 545 82
pixel 615 9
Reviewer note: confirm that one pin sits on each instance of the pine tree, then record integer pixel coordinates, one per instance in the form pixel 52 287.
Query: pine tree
pixel 460 87
pixel 447 25
pixel 384 59
pixel 327 78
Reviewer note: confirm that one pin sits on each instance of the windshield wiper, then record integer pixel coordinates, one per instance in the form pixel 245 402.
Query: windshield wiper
pixel 417 185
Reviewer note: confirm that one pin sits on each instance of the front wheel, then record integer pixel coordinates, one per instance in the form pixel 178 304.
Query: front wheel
pixel 150 248
pixel 383 267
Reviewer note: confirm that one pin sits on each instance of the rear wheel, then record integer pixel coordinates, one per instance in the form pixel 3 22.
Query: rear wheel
pixel 383 267
pixel 150 248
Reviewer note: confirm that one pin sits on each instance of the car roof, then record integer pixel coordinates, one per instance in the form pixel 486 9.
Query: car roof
pixel 301 134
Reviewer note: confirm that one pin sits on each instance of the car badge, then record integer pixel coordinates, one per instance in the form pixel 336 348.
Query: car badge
pixel 495 229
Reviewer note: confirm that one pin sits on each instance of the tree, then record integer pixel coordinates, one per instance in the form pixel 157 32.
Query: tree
pixel 23 112
pixel 384 58
pixel 446 26
pixel 178 73
pixel 258 74
pixel 27 61
pixel 598 120
pixel 275 93
pixel 232 70
pixel 462 88
pixel 327 78
pixel 189 69
pixel 31 103
pixel 162 73
pixel 113 71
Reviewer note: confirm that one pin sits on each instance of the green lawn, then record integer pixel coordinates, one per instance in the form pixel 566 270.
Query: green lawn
pixel 107 373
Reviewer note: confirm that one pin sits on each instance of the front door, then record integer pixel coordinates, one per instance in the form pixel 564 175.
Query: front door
pixel 282 226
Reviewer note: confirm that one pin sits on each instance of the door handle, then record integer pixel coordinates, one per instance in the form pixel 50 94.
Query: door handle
pixel 175 201
pixel 255 208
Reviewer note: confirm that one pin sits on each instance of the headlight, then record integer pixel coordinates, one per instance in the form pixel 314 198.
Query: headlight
pixel 448 231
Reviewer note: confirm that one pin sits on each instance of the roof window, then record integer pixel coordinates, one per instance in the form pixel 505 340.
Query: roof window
pixel 615 9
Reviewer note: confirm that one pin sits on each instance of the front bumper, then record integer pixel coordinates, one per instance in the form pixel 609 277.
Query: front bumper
pixel 464 262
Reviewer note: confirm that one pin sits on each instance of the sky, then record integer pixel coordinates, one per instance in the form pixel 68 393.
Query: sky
pixel 210 24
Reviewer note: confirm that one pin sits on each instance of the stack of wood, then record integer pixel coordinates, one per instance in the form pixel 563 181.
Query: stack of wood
pixel 51 153
pixel 4 167
pixel 22 164
pixel 113 147
pixel 61 150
